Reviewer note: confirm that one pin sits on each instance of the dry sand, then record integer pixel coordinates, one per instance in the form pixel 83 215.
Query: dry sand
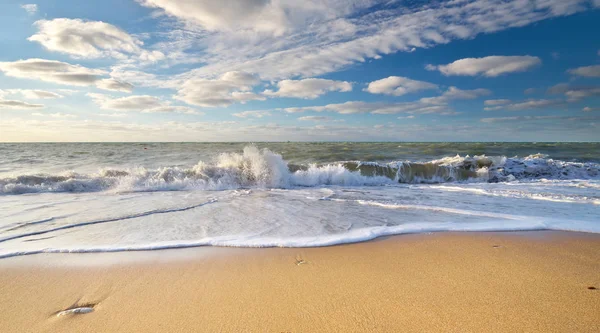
pixel 447 282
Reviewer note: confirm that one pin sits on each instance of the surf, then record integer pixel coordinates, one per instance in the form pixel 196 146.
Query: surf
pixel 262 168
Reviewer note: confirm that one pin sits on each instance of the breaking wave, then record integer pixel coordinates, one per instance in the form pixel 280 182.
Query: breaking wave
pixel 266 169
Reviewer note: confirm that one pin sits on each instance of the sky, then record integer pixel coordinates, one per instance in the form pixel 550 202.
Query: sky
pixel 287 70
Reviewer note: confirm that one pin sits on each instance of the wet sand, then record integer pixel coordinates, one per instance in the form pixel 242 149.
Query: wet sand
pixel 444 282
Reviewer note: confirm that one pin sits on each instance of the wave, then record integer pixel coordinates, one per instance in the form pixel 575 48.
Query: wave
pixel 266 169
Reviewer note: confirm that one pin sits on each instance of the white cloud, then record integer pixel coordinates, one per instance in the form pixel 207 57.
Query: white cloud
pixel 528 105
pixel 589 109
pixel 575 93
pixel 240 78
pixel 112 115
pixel 39 94
pixel 88 39
pixel 356 107
pixel 491 66
pixel 252 114
pixel 454 93
pixel 51 71
pixel 414 107
pixel 300 109
pixel 431 67
pixel 351 107
pixel 31 93
pixel 578 94
pixel 315 118
pixel 141 103
pixel 519 118
pixel 587 71
pixel 308 88
pixel 230 88
pixel 398 86
pixel 18 105
pixel 560 88
pixel 263 17
pixel 59 72
pixel 114 85
pixel 30 8
pixel 54 115
pixel 168 108
pixel 530 91
pixel 139 78
pixel 67 91
pixel 493 102
pixel 258 15
pixel 151 56
pixel 137 103
pixel 407 117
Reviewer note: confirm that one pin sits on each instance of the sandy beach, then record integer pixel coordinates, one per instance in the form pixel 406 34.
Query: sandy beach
pixel 442 282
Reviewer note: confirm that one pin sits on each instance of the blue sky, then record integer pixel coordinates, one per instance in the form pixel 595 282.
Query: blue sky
pixel 279 70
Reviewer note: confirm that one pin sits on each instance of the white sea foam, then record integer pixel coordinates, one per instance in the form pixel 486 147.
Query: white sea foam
pixel 554 195
pixel 265 169
pixel 298 217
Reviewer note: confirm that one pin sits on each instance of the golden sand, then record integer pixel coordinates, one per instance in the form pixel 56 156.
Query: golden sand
pixel 446 282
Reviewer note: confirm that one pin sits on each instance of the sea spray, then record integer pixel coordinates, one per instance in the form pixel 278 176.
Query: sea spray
pixel 262 168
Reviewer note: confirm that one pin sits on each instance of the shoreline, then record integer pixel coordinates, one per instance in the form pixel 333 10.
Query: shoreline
pixel 448 281
pixel 140 255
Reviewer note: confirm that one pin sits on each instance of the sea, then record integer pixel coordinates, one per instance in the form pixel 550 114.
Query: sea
pixel 109 197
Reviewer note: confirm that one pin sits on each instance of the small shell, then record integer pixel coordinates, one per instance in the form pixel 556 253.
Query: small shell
pixel 80 310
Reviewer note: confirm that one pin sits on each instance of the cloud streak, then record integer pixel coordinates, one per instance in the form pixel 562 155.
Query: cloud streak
pixel 54 115
pixel 587 71
pixel 454 93
pixel 114 85
pixel 252 114
pixel 398 86
pixel 308 88
pixel 140 103
pixel 31 93
pixel 518 118
pixel 231 87
pixel 575 93
pixel 527 105
pixel 18 105
pixel 30 8
pixel 491 66
pixel 59 72
pixel 315 118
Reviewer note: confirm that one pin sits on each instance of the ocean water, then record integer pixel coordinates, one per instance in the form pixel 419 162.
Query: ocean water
pixel 103 197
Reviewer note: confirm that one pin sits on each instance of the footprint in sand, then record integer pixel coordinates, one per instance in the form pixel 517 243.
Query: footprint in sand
pixel 300 261
pixel 76 310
